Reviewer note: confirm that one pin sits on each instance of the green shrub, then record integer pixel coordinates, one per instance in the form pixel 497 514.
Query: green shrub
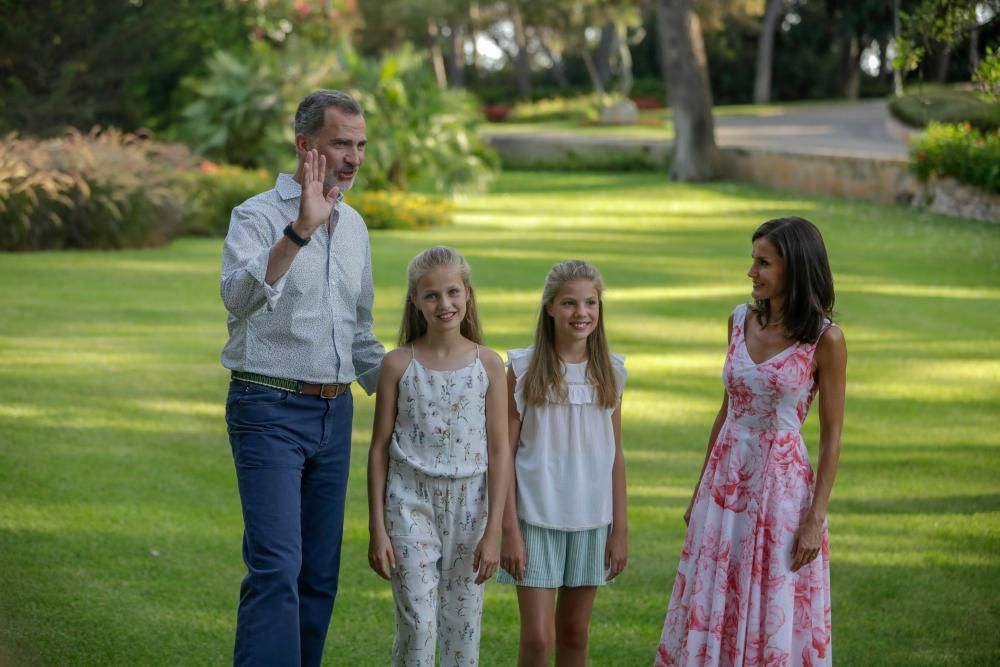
pixel 945 105
pixel 583 109
pixel 98 190
pixel 958 151
pixel 390 209
pixel 214 191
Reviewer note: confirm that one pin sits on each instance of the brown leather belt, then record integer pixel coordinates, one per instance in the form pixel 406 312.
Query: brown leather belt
pixel 327 391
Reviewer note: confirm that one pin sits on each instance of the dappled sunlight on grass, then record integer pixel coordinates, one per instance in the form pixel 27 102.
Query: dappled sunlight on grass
pixel 113 441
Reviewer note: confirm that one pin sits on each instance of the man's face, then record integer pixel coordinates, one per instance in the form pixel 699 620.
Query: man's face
pixel 342 140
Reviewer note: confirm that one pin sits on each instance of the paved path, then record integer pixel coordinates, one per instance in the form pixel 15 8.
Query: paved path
pixel 850 128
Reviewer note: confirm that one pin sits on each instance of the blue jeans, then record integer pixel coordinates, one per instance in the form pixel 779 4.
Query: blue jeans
pixel 292 455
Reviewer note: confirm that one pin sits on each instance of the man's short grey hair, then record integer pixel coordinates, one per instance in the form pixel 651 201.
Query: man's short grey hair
pixel 311 114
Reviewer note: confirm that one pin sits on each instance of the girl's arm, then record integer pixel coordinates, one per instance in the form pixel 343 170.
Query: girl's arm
pixel 513 556
pixel 831 371
pixel 487 555
pixel 616 553
pixel 720 419
pixel 380 555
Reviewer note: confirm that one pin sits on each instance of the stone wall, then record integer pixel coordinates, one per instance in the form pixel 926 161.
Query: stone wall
pixel 881 180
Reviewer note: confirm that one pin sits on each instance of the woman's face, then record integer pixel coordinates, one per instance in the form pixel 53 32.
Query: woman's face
pixel 767 271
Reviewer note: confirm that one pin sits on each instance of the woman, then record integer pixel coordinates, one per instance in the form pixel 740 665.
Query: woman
pixel 753 584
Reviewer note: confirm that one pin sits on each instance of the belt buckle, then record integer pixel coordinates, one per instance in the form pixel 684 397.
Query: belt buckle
pixel 337 388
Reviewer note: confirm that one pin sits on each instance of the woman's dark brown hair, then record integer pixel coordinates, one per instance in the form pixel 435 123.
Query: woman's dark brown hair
pixel 809 293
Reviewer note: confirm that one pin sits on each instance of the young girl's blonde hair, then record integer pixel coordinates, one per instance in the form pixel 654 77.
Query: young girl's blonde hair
pixel 544 380
pixel 414 325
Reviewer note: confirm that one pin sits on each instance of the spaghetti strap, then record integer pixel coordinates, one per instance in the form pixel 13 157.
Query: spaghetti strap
pixel 477 350
pixel 413 353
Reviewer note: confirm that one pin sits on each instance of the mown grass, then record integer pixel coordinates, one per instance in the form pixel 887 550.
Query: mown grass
pixel 119 518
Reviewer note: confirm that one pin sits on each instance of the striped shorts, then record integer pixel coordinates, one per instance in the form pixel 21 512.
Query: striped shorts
pixel 558 558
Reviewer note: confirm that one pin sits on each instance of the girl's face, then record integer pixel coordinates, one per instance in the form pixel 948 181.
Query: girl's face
pixel 767 271
pixel 575 310
pixel 442 298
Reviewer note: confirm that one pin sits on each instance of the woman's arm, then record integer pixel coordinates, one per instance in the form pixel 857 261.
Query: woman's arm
pixel 513 556
pixel 720 419
pixel 831 372
pixel 487 554
pixel 380 555
pixel 616 553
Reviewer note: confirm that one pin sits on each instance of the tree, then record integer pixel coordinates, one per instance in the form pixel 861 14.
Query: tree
pixel 765 52
pixel 685 70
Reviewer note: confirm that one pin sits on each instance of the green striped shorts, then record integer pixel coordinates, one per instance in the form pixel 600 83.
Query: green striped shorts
pixel 558 558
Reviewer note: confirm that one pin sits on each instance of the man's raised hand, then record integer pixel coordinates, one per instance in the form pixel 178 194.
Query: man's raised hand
pixel 314 206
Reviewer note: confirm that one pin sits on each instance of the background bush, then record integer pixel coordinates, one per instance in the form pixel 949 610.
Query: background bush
pixel 214 190
pixel 97 190
pixel 945 105
pixel 582 108
pixel 958 151
pixel 387 209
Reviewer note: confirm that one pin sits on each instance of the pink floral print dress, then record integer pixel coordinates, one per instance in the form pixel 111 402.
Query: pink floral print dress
pixel 735 599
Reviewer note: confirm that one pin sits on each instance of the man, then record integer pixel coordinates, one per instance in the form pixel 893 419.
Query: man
pixel 297 282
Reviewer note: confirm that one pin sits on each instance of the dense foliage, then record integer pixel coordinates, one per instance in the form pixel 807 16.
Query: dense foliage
pixel 97 190
pixel 958 151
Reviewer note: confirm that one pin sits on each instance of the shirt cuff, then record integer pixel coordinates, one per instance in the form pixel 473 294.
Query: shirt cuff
pixel 369 380
pixel 258 269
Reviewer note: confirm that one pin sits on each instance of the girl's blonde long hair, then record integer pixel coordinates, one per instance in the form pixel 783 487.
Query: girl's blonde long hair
pixel 414 325
pixel 544 381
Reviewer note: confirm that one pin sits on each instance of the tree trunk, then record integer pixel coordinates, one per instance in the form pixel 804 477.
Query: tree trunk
pixel 897 76
pixel 685 70
pixel 473 32
pixel 765 52
pixel 521 60
pixel 605 48
pixel 595 75
pixel 625 78
pixel 437 58
pixel 455 57
pixel 851 66
pixel 558 69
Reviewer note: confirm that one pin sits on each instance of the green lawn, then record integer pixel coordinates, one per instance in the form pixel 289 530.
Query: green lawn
pixel 119 518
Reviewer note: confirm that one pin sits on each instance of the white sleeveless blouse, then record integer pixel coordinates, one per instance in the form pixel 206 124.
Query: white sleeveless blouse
pixel 566 451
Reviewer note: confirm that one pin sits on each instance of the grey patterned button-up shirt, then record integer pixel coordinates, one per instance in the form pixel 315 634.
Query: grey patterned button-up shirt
pixel 315 323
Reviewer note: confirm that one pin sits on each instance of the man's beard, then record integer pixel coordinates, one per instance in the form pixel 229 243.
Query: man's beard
pixel 331 180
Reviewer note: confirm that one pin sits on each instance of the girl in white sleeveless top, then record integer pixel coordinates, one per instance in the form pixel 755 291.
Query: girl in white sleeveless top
pixel 439 444
pixel 565 527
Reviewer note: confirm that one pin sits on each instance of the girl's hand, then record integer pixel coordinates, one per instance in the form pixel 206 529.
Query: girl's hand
pixel 615 554
pixel 381 557
pixel 807 543
pixel 486 557
pixel 513 555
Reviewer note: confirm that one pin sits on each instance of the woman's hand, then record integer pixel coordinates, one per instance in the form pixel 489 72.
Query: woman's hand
pixel 807 543
pixel 381 557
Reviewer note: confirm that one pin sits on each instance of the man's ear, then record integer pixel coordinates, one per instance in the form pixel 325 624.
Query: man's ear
pixel 302 144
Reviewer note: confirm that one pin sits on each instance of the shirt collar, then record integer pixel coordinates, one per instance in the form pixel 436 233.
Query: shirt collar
pixel 289 188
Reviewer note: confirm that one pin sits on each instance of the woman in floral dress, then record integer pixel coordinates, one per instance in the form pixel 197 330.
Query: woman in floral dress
pixel 753 584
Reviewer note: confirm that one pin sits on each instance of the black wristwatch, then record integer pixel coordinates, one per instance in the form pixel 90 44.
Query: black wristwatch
pixel 296 239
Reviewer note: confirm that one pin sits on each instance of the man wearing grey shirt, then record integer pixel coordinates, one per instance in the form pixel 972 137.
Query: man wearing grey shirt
pixel 297 282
